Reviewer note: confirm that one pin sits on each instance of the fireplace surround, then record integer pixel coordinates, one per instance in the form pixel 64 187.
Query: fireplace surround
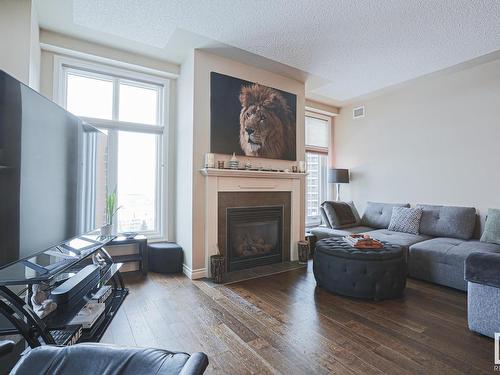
pixel 221 190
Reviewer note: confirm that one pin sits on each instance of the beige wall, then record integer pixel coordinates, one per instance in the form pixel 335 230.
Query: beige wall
pixel 20 56
pixel 435 140
pixel 204 63
pixel 183 196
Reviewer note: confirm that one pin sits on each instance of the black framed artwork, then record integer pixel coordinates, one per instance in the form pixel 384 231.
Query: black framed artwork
pixel 251 119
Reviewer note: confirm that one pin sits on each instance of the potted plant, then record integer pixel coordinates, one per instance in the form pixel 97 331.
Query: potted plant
pixel 111 211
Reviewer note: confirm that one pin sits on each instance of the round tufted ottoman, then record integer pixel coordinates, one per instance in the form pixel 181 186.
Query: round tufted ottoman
pixel 375 274
pixel 165 257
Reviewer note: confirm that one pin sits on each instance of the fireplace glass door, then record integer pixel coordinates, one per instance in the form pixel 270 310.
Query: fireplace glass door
pixel 254 236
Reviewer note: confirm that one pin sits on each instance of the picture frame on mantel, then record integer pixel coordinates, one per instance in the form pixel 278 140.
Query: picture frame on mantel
pixel 250 119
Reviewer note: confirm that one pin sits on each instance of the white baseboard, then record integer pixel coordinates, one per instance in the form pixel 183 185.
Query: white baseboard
pixel 194 274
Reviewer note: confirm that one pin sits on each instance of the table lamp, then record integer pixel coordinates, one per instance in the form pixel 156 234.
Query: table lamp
pixel 338 176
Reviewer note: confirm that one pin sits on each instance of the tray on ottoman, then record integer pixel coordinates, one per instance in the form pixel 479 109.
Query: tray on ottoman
pixel 362 273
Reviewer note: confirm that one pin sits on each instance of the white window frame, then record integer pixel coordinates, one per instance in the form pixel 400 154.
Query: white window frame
pixel 323 187
pixel 64 65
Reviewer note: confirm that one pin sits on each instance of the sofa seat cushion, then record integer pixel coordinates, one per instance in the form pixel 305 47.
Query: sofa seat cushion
pixel 324 232
pixel 405 240
pixel 448 221
pixel 441 260
pixel 378 215
pixel 451 251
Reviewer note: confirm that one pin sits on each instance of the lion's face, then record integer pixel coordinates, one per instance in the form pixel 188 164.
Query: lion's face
pixel 259 127
pixel 265 120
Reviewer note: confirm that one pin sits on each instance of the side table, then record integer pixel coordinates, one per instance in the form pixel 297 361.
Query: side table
pixel 141 256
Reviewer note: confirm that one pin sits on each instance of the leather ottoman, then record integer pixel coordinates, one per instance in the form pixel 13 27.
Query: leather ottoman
pixel 373 274
pixel 165 257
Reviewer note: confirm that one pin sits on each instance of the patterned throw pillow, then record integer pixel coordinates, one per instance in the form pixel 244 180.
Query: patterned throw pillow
pixel 406 220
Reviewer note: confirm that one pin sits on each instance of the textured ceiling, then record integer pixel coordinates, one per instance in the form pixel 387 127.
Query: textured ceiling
pixel 356 46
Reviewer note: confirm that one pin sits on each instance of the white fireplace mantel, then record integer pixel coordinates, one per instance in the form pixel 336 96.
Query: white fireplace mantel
pixel 244 173
pixel 225 180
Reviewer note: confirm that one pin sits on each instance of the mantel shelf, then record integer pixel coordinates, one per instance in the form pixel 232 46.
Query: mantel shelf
pixel 214 172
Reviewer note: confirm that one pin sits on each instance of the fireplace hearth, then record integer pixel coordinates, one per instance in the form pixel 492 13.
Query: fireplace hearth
pixel 254 236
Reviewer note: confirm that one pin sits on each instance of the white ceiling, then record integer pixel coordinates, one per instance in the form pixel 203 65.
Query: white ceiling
pixel 349 48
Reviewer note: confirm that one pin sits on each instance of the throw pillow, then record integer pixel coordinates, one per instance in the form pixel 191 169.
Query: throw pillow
pixel 406 220
pixel 340 214
pixel 491 232
pixel 324 218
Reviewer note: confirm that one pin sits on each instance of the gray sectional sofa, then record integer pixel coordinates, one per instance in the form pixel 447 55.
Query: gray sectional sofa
pixel 438 253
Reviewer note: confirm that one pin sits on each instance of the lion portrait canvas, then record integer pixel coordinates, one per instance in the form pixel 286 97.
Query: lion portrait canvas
pixel 251 119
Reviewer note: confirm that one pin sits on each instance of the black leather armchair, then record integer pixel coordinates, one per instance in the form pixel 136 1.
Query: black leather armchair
pixel 6 346
pixel 92 358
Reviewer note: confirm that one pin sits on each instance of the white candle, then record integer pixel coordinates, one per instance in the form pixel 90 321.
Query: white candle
pixel 209 160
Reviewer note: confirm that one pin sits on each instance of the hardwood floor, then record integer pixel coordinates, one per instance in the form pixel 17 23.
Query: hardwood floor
pixel 284 324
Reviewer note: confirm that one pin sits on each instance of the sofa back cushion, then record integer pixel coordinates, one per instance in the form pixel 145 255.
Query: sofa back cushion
pixel 448 221
pixel 378 215
pixel 340 214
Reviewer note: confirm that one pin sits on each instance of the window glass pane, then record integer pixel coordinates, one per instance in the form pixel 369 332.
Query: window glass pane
pixel 89 96
pixel 316 185
pixel 137 167
pixel 317 132
pixel 138 104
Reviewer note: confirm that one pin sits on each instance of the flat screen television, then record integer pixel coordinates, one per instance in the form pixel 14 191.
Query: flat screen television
pixel 52 173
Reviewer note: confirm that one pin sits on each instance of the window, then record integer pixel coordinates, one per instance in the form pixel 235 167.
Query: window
pixel 317 142
pixel 130 108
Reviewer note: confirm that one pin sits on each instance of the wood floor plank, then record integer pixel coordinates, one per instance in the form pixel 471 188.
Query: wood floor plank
pixel 284 324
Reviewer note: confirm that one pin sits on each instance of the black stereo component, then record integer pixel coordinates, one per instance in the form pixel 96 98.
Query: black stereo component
pixel 75 288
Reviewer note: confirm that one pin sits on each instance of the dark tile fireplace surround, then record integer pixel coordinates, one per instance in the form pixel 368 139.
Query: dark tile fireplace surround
pixel 254 228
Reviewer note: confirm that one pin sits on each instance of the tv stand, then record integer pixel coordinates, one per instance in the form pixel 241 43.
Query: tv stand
pixel 54 267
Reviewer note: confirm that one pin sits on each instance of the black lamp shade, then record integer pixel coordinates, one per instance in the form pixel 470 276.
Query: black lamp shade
pixel 338 176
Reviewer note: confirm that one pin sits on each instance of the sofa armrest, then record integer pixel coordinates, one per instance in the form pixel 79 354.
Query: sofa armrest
pixel 483 268
pixel 195 365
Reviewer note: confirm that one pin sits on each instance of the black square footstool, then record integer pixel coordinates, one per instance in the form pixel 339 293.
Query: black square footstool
pixel 368 273
pixel 165 257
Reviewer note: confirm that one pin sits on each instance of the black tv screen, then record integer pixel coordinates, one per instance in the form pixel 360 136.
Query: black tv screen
pixel 52 173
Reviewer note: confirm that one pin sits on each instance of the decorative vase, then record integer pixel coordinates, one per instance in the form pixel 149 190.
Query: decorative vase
pixel 217 267
pixel 107 230
pixel 233 162
pixel 303 252
pixel 302 166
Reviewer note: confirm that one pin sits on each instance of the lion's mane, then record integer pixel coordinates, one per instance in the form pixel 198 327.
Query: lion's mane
pixel 265 112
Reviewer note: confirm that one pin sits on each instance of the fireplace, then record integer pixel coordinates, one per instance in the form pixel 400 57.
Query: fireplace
pixel 253 228
pixel 254 236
